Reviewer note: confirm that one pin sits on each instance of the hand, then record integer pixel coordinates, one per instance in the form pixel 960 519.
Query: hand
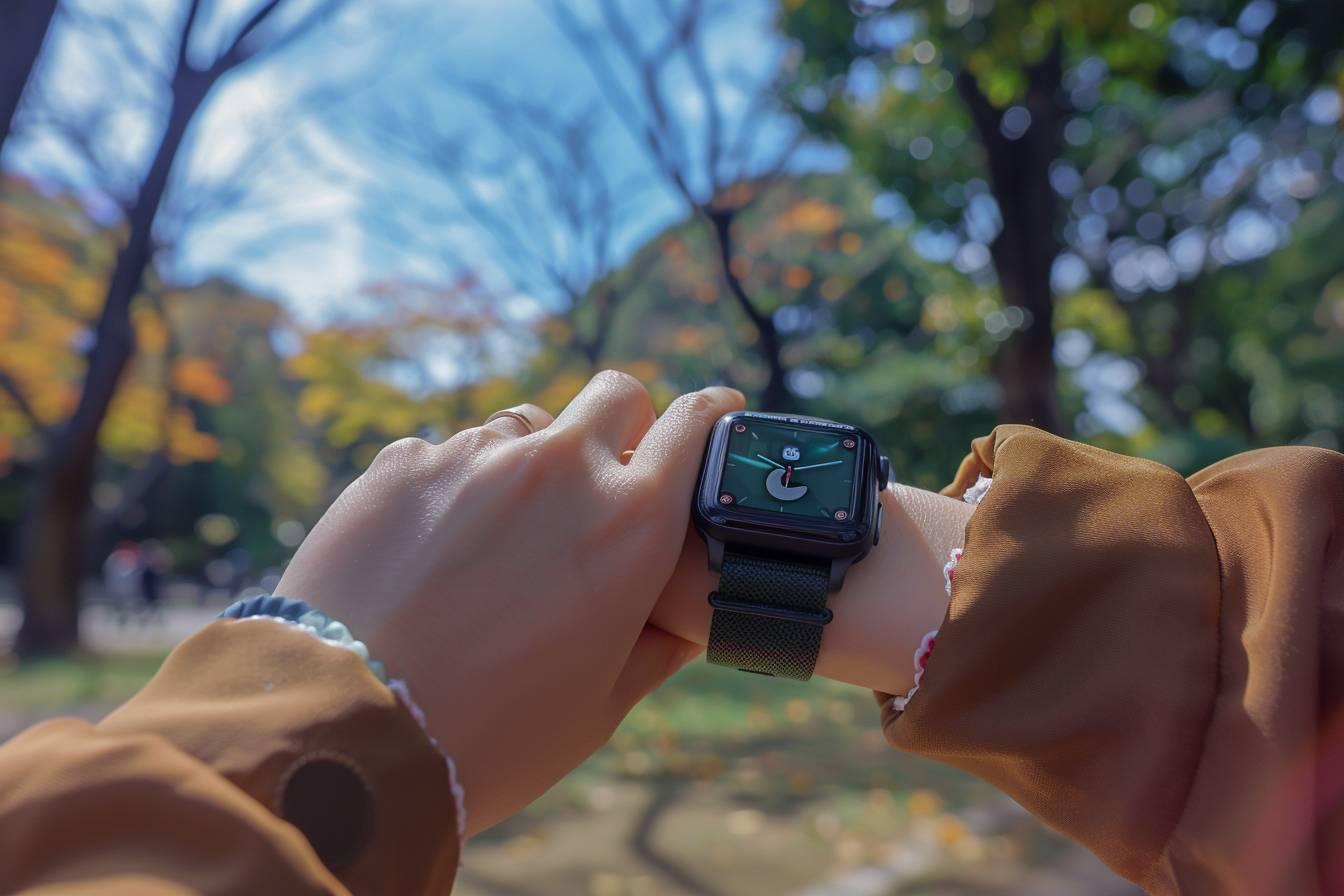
pixel 508 577
pixel 891 599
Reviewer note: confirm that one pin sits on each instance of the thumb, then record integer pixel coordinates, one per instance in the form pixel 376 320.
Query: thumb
pixel 656 655
pixel 670 453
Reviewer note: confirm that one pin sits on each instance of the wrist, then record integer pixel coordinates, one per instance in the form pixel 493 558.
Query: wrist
pixel 889 601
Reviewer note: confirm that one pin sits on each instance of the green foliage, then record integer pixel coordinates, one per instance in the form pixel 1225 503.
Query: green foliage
pixel 1198 183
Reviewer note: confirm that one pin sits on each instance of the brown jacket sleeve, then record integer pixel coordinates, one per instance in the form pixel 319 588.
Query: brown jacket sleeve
pixel 1151 665
pixel 258 760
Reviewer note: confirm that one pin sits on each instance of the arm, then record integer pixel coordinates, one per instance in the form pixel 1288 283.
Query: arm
pixel 890 600
pixel 258 759
pixel 1151 665
pixel 505 578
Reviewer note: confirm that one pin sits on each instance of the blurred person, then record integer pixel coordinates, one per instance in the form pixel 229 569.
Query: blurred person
pixel 121 579
pixel 1153 665
pixel 154 562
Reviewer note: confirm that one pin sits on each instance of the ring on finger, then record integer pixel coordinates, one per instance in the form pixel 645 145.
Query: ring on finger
pixel 522 418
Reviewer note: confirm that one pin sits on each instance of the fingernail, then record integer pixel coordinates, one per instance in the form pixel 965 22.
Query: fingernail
pixel 729 391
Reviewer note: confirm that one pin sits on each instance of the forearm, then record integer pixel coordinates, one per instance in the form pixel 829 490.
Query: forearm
pixel 889 601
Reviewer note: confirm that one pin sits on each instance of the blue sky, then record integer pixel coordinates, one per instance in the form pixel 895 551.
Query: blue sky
pixel 316 222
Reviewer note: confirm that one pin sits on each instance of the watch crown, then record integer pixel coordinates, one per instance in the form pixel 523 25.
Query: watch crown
pixel 883 472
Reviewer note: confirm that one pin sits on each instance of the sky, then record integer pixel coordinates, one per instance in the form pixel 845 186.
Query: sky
pixel 330 206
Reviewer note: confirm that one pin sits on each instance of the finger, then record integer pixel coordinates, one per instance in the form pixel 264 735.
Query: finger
pixel 682 609
pixel 671 451
pixel 614 409
pixel 534 419
pixel 656 655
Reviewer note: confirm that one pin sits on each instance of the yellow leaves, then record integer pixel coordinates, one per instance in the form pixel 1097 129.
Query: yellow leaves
pixel 1095 311
pixel 200 379
pixel 297 474
pixel 924 803
pixel 809 216
pixel 151 333
pixel 560 389
pixel 317 402
pixel 84 294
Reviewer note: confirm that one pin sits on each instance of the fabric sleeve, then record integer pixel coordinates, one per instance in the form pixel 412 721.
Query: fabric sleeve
pixel 257 760
pixel 1142 661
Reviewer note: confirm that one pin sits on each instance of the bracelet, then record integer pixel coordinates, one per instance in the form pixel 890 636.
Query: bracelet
pixel 297 612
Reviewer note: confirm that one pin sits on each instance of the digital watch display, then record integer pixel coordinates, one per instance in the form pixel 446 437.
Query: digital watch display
pixel 786 505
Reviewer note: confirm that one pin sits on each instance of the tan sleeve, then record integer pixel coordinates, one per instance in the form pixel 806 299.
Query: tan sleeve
pixel 1152 666
pixel 258 760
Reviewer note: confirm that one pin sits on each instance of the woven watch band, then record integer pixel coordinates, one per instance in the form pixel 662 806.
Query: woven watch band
pixel 768 615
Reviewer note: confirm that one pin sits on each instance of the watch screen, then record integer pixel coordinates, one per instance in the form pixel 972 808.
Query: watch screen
pixel 785 468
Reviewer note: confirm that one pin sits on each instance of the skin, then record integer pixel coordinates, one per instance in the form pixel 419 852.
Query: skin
pixel 530 588
pixel 890 599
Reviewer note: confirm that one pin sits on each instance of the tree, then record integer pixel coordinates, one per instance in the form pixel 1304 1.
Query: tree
pixel 27 22
pixel 703 157
pixel 51 549
pixel 535 186
pixel 1090 132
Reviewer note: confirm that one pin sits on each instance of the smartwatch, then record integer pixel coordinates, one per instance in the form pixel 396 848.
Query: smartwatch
pixel 786 504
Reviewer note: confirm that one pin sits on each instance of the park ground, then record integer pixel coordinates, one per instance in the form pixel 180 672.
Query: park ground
pixel 720 784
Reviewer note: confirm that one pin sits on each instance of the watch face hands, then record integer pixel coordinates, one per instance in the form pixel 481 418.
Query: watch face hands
pixel 770 462
pixel 829 463
pixel 750 461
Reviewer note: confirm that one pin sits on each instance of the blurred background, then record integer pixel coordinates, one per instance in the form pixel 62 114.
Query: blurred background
pixel 245 243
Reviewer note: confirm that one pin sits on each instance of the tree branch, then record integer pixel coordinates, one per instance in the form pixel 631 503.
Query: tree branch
pixel 188 26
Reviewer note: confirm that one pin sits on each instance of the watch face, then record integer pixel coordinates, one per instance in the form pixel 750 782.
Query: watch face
pixel 788 468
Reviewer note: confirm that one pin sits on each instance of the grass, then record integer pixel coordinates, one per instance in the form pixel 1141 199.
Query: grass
pixel 772 745
pixel 54 685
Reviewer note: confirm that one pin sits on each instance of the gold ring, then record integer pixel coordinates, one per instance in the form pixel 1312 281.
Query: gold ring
pixel 516 415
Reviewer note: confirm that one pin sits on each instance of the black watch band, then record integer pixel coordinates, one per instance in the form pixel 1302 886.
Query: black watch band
pixel 768 615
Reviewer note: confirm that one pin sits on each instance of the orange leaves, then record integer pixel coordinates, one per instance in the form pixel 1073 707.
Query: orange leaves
pixel 809 216
pixel 33 261
pixel 200 379
pixel 186 445
pixel 796 276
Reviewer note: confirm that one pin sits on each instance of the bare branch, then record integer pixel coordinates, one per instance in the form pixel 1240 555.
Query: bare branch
pixel 700 71
pixel 237 53
pixel 188 26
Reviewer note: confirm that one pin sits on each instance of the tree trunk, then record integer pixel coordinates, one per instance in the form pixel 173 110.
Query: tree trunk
pixel 51 556
pixel 1026 247
pixel 775 396
pixel 26 24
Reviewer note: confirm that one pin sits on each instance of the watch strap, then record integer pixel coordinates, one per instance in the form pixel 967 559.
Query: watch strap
pixel 768 615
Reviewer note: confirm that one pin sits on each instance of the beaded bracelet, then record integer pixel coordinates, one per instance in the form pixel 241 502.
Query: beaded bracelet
pixel 298 613
pixel 317 623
